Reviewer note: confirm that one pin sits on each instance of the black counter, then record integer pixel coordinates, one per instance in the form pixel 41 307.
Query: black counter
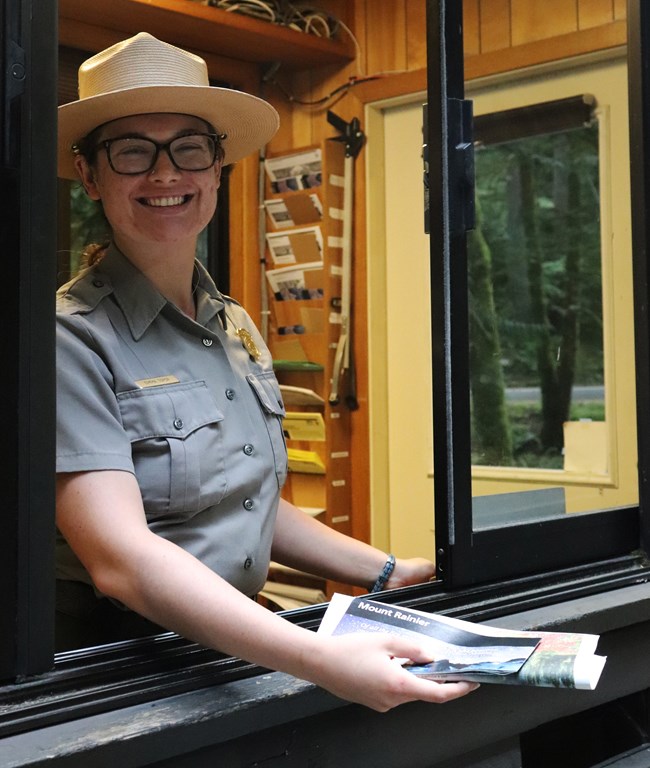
pixel 275 720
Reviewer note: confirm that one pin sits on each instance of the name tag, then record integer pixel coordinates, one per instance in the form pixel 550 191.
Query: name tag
pixel 157 381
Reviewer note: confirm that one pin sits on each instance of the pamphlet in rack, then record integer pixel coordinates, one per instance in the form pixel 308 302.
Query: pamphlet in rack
pixel 294 211
pixel 300 396
pixel 463 650
pixel 301 282
pixel 301 170
pixel 297 246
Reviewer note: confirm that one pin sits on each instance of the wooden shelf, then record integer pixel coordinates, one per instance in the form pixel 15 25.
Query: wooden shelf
pixel 297 366
pixel 205 28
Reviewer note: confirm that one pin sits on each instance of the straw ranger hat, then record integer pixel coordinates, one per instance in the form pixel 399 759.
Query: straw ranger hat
pixel 143 75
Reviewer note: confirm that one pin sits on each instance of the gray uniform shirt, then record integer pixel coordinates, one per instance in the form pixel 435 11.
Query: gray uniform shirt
pixel 182 404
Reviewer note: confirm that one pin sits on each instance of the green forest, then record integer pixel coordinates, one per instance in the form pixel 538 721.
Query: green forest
pixel 534 264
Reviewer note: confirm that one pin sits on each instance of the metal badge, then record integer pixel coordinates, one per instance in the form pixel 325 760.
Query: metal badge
pixel 249 344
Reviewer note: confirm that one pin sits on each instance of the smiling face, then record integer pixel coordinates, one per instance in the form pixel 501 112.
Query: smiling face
pixel 165 205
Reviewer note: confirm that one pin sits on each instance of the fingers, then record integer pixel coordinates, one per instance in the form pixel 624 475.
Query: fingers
pixel 367 669
pixel 408 687
pixel 410 650
pixel 402 650
pixel 443 692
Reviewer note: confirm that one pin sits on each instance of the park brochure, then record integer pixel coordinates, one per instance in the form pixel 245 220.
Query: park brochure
pixel 476 652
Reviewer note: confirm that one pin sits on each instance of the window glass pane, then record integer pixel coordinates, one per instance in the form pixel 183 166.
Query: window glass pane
pixel 550 281
pixel 536 352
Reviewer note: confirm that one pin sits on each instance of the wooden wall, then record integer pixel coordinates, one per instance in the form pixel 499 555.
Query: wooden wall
pixel 499 35
pixel 527 21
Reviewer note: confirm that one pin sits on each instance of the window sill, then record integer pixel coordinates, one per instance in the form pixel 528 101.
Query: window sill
pixel 216 716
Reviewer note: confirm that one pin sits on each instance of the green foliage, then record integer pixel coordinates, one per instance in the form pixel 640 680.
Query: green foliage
pixel 560 313
pixel 524 418
pixel 87 225
pixel 489 418
pixel 498 188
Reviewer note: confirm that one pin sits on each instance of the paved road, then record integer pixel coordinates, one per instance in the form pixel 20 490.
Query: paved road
pixel 579 393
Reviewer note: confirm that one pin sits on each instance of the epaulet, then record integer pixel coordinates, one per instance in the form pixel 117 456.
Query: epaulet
pixel 83 293
pixel 230 300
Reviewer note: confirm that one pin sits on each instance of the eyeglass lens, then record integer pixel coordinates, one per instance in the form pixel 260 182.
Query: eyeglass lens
pixel 131 155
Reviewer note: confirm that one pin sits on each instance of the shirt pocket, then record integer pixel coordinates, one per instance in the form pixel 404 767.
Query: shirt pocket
pixel 177 448
pixel 267 391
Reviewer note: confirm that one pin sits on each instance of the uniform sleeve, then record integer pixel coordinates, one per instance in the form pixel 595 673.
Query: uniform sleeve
pixel 90 435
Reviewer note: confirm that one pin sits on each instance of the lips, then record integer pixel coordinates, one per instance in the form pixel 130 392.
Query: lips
pixel 165 202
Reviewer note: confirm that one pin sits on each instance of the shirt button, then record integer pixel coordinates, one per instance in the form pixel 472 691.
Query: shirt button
pixel 178 423
pixel 207 342
pixel 248 449
pixel 98 283
pixel 230 394
pixel 247 563
pixel 249 504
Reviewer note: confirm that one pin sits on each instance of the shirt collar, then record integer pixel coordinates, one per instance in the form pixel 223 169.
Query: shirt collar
pixel 140 300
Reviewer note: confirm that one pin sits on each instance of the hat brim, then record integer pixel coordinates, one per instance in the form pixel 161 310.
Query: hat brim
pixel 248 122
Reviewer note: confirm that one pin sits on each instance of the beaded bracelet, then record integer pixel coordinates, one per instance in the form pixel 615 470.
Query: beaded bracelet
pixel 384 575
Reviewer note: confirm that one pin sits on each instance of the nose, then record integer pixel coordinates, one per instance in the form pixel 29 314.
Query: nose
pixel 164 169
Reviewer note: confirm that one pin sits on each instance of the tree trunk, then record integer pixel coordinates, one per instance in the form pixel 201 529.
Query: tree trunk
pixel 556 361
pixel 572 278
pixel 492 440
pixel 550 436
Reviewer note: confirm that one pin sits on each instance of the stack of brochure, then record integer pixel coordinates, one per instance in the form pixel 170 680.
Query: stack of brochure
pixel 475 652
pixel 308 462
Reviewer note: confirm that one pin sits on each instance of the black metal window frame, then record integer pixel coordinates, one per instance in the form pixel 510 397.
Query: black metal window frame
pixel 465 555
pixel 484 574
pixel 27 312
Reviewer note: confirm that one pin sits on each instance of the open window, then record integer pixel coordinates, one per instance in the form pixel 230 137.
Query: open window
pixel 606 541
pixel 546 176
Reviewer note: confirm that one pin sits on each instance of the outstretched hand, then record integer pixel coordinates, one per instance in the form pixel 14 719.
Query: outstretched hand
pixel 368 669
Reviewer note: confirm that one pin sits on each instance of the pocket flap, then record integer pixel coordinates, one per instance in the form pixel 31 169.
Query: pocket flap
pixel 176 410
pixel 266 387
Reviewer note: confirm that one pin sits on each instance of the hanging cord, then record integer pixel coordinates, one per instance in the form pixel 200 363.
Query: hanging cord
pixel 340 91
pixel 303 18
pixel 331 98
pixel 256 8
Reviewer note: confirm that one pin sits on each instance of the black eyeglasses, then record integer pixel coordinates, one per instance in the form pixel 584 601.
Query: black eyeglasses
pixel 131 155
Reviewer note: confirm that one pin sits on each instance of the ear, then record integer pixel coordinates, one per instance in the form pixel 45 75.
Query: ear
pixel 87 177
pixel 217 172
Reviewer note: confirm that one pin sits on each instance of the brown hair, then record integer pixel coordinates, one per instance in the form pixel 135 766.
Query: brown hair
pixel 94 253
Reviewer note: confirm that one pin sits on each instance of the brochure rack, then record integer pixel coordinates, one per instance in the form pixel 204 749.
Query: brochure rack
pixel 304 198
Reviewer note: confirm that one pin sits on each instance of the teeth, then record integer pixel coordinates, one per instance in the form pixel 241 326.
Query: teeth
pixel 163 202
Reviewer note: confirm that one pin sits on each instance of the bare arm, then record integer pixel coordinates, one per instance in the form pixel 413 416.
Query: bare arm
pixel 101 516
pixel 306 544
